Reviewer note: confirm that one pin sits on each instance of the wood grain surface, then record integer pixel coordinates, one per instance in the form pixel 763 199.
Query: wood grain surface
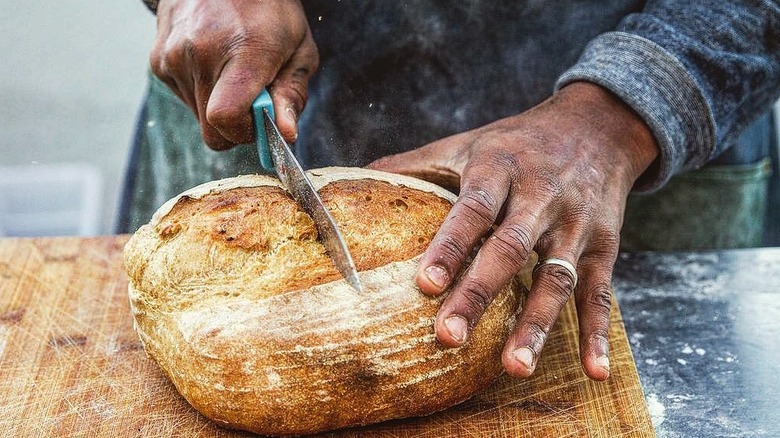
pixel 71 365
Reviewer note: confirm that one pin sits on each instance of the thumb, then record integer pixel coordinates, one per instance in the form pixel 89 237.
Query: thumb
pixel 229 106
pixel 441 163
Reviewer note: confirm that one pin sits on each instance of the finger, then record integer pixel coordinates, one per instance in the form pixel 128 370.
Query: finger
pixel 501 256
pixel 158 54
pixel 594 302
pixel 551 288
pixel 190 68
pixel 290 88
pixel 482 195
pixel 239 83
pixel 163 65
pixel 171 59
pixel 184 91
pixel 211 135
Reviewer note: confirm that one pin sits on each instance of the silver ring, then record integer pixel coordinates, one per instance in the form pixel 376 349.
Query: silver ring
pixel 559 262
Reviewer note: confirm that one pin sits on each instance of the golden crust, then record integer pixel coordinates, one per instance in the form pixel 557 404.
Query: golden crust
pixel 239 305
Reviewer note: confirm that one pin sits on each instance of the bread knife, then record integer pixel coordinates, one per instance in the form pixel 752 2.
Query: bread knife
pixel 276 155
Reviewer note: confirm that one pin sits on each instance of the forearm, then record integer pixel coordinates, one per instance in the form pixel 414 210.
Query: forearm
pixel 697 73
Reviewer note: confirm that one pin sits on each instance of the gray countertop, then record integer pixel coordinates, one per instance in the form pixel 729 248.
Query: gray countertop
pixel 704 329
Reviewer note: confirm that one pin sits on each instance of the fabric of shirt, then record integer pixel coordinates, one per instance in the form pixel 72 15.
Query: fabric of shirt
pixel 396 75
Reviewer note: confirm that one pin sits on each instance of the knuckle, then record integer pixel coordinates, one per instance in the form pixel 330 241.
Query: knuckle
pixel 248 44
pixel 293 89
pixel 163 61
pixel 451 249
pixel 559 283
pixel 192 49
pixel 549 185
pixel 609 242
pixel 599 296
pixel 577 212
pixel 201 49
pixel 477 296
pixel 581 211
pixel 513 243
pixel 517 236
pixel 171 60
pixel 482 205
pixel 537 332
pixel 505 162
pixel 156 62
pixel 235 42
pixel 544 243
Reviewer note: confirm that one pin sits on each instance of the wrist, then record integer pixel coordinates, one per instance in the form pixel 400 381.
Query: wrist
pixel 618 125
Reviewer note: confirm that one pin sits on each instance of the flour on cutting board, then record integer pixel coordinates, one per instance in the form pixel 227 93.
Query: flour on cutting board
pixel 679 401
pixel 687 349
pixel 656 409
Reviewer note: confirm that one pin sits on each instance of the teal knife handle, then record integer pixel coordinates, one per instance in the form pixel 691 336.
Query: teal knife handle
pixel 263 101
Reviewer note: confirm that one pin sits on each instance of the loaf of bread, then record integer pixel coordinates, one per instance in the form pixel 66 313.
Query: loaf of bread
pixel 239 304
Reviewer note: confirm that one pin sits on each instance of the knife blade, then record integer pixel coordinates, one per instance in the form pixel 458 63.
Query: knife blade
pixel 276 155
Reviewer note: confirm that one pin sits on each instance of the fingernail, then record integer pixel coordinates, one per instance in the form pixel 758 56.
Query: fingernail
pixel 291 111
pixel 437 275
pixel 456 325
pixel 602 362
pixel 294 116
pixel 525 356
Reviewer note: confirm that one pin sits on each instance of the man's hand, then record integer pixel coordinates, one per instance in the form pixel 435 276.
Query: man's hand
pixel 218 55
pixel 555 180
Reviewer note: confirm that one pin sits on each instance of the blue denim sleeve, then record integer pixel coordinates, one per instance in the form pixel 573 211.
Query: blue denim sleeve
pixel 697 72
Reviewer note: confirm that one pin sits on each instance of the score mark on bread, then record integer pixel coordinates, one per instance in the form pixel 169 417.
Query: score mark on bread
pixel 237 301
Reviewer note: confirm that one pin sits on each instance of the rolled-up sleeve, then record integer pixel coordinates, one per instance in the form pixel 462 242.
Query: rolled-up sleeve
pixel 696 72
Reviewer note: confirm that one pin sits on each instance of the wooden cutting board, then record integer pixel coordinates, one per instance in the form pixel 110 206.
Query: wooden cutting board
pixel 71 365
